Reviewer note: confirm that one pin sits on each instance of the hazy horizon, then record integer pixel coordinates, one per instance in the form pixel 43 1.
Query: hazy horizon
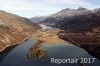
pixel 30 8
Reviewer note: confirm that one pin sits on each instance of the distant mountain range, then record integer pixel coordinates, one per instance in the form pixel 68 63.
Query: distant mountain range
pixel 14 29
pixel 73 18
pixel 67 13
pixel 38 18
pixel 81 22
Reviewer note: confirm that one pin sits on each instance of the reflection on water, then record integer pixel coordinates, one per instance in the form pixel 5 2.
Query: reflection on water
pixel 6 51
pixel 18 56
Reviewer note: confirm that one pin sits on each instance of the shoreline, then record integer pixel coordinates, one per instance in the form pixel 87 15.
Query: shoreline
pixel 91 48
pixel 14 44
pixel 7 49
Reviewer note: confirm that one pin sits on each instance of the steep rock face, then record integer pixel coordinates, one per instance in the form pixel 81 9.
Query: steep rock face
pixel 14 29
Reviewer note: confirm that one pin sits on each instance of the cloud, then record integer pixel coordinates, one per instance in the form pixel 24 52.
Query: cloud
pixel 31 5
pixel 42 6
pixel 70 2
pixel 18 5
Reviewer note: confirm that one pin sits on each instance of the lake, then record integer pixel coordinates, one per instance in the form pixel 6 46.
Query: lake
pixel 18 55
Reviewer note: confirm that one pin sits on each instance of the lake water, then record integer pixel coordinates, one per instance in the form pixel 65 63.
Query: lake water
pixel 45 27
pixel 18 56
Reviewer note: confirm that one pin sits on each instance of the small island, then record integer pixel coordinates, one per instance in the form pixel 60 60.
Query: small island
pixel 47 36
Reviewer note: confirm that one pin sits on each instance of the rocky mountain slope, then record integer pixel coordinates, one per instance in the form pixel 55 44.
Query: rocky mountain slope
pixel 66 13
pixel 82 23
pixel 84 32
pixel 14 29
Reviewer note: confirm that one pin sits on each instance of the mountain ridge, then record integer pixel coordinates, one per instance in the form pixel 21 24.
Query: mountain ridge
pixel 37 19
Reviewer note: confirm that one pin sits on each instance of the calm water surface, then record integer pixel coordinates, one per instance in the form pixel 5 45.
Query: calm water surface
pixel 18 56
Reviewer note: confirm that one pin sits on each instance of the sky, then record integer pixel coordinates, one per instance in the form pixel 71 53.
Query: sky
pixel 31 8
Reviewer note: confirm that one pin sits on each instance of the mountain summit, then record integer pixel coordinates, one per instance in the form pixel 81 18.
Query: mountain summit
pixel 67 13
